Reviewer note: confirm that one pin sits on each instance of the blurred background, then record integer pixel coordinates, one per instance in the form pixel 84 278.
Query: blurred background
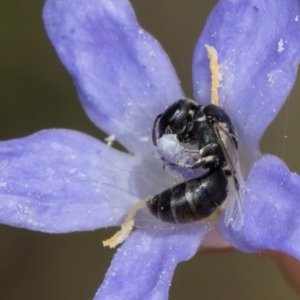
pixel 37 93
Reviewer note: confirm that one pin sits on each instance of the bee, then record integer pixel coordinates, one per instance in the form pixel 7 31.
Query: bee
pixel 215 139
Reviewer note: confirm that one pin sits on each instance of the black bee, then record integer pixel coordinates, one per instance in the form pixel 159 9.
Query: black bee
pixel 210 129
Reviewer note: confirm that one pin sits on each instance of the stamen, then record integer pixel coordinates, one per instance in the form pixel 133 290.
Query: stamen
pixel 215 75
pixel 126 228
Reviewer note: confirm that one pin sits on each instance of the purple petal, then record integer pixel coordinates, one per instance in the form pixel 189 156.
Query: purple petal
pixel 143 267
pixel 258 43
pixel 123 76
pixel 61 180
pixel 271 210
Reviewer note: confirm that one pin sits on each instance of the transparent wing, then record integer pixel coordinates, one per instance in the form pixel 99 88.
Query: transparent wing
pixel 234 214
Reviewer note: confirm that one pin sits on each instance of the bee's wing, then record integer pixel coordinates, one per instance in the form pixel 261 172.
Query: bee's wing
pixel 234 214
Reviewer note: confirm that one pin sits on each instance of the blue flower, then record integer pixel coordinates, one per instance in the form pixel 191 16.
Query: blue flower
pixel 63 181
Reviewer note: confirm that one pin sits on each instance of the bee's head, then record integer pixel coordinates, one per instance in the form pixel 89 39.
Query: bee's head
pixel 176 119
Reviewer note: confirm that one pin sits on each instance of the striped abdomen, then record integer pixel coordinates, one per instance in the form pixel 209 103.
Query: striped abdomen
pixel 192 200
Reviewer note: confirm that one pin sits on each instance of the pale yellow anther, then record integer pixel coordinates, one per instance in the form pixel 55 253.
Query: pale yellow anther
pixel 126 228
pixel 215 75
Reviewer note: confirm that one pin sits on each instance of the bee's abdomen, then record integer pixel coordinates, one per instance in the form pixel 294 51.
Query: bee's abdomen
pixel 192 200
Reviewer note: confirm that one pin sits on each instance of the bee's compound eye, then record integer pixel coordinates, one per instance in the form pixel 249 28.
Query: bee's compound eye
pixel 175 118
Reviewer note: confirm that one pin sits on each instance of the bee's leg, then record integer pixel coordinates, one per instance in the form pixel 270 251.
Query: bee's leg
pixel 198 164
pixel 206 155
pixel 205 151
pixel 208 149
